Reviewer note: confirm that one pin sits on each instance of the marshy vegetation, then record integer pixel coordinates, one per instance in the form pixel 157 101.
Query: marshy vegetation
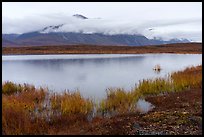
pixel 71 105
pixel 28 110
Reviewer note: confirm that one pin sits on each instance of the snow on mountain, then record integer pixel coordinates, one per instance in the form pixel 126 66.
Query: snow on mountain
pixel 50 29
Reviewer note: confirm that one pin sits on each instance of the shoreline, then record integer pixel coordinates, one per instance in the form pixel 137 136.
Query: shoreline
pixel 179 48
pixel 191 53
pixel 174 114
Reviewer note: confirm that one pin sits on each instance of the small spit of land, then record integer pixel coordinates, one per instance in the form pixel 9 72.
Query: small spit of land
pixel 177 109
pixel 191 48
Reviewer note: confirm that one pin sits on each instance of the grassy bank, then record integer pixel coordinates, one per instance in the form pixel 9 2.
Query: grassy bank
pixel 27 110
pixel 183 48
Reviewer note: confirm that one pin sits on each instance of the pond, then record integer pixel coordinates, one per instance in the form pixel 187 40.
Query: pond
pixel 91 74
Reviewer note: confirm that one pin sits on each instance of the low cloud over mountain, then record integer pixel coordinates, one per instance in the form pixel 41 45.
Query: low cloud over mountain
pixel 77 23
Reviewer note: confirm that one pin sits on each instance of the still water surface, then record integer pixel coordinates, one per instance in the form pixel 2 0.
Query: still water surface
pixel 91 74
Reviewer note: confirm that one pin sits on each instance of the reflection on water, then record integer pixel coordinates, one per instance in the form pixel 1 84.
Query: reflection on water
pixel 91 74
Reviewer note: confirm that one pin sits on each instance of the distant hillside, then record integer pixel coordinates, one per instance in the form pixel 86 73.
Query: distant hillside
pixel 59 38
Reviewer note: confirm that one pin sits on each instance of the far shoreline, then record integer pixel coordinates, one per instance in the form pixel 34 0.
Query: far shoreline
pixel 178 48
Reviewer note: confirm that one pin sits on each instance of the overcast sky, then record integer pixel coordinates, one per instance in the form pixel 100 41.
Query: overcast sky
pixel 166 20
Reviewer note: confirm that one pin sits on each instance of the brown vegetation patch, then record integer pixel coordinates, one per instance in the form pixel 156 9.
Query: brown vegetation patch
pixel 98 49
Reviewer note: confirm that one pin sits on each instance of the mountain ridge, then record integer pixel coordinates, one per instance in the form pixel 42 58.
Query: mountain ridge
pixel 65 38
pixel 53 35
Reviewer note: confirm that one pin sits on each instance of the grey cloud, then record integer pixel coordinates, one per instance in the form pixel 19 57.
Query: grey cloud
pixel 106 26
